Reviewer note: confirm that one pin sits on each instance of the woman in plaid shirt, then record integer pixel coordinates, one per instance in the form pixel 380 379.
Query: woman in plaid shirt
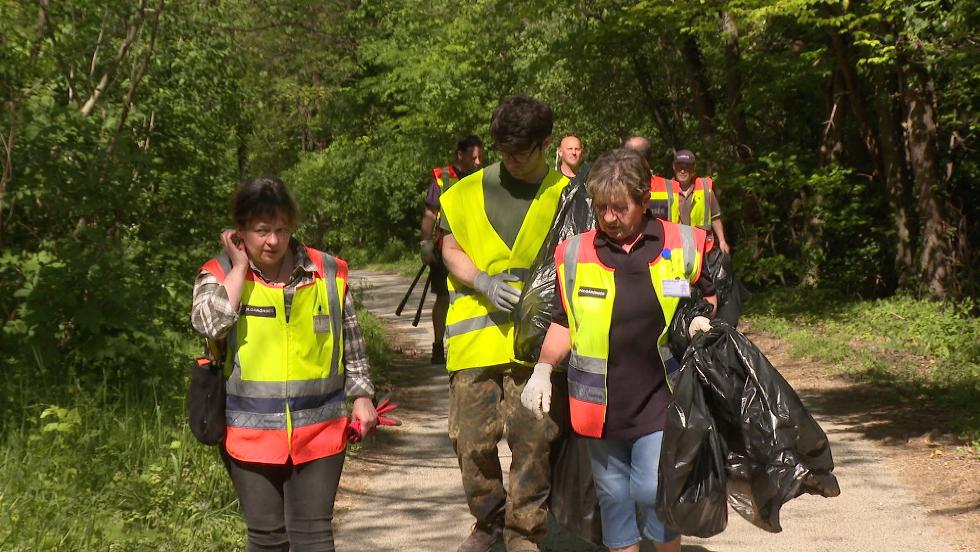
pixel 294 353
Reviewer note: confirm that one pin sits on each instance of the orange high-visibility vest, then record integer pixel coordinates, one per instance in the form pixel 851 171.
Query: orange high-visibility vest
pixel 588 290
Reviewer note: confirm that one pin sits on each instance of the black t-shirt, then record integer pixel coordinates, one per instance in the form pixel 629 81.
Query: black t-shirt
pixel 636 387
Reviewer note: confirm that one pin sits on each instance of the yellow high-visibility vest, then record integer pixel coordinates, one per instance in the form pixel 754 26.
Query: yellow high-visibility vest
pixel 477 333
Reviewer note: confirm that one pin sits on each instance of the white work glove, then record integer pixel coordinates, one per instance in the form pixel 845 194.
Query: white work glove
pixel 536 396
pixel 699 324
pixel 427 251
pixel 497 290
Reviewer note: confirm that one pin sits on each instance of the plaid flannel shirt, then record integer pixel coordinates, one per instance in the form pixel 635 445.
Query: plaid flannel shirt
pixel 213 317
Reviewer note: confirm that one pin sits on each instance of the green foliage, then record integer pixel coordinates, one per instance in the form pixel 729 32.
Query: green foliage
pixel 915 346
pixel 125 127
pixel 113 467
pixel 797 223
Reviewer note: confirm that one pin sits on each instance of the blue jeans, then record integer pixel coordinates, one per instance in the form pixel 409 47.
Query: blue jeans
pixel 625 474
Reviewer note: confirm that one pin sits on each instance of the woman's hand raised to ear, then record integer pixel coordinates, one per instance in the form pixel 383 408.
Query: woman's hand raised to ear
pixel 234 247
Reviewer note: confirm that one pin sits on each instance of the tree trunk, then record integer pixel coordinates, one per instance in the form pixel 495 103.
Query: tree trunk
pixel 704 102
pixel 831 148
pixel 831 144
pixel 132 32
pixel 663 121
pixel 895 176
pixel 841 48
pixel 936 252
pixel 733 87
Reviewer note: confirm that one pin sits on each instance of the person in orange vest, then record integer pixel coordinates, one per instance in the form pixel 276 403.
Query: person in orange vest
pixel 467 158
pixel 615 287
pixel 697 203
pixel 569 156
pixel 294 354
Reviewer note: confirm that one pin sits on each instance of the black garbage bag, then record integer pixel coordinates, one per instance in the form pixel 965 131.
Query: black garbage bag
pixel 573 501
pixel 729 291
pixel 691 486
pixel 677 336
pixel 532 316
pixel 776 451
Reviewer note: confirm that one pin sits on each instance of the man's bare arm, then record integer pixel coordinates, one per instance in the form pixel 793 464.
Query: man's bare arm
pixel 429 217
pixel 457 261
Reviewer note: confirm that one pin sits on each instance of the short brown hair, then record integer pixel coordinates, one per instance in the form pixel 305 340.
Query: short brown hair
pixel 263 197
pixel 520 123
pixel 618 170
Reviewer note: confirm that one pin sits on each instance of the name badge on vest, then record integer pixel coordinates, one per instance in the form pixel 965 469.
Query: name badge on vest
pixel 677 288
pixel 264 312
pixel 321 324
pixel 592 292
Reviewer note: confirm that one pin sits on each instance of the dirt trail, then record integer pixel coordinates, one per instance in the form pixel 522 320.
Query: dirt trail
pixel 402 491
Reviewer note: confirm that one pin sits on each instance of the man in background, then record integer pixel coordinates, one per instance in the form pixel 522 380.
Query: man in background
pixel 569 156
pixel 697 204
pixel 467 157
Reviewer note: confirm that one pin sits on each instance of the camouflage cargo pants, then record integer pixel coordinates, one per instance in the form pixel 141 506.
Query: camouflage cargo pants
pixel 484 403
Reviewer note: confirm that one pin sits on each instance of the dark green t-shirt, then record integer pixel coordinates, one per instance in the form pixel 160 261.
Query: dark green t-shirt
pixel 506 200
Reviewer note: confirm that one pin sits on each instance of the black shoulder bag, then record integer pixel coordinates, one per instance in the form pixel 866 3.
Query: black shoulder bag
pixel 206 396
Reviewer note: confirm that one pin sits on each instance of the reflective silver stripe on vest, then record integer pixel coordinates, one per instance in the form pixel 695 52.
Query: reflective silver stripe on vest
pixel 665 354
pixel 478 323
pixel 689 249
pixel 224 262
pixel 456 294
pixel 595 395
pixel 276 420
pixel 707 203
pixel 571 267
pixel 277 389
pixel 589 364
pixel 336 316
pixel 312 416
pixel 670 198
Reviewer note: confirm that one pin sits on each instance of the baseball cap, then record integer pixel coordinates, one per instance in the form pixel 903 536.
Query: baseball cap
pixel 684 156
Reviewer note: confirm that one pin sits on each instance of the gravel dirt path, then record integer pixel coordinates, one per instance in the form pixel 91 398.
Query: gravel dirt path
pixel 401 490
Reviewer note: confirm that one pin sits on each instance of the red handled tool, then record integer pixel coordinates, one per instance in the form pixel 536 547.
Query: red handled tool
pixel 354 432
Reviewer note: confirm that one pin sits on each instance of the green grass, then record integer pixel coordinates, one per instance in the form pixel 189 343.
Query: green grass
pixel 923 348
pixel 102 466
pixel 407 265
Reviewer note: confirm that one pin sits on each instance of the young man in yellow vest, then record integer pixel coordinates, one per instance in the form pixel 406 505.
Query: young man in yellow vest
pixel 467 158
pixel 495 221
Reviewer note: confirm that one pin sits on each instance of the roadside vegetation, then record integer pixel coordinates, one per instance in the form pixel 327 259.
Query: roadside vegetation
pixel 840 135
pixel 916 351
pixel 111 465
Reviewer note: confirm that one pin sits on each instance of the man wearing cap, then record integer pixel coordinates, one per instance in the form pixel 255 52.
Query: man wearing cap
pixel 467 158
pixel 695 204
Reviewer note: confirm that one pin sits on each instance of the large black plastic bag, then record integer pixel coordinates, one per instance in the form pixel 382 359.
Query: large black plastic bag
pixel 573 501
pixel 533 313
pixel 776 450
pixel 691 479
pixel 691 486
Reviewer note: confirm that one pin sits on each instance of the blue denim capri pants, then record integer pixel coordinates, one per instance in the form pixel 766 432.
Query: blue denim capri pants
pixel 625 474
